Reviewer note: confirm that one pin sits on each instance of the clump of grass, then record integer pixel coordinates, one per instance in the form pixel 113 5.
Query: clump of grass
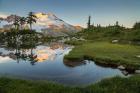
pixel 107 53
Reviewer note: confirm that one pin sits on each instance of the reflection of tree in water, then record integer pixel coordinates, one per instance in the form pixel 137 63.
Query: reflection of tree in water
pixel 23 47
pixel 21 44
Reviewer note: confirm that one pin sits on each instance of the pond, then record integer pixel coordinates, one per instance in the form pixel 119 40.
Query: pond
pixel 44 61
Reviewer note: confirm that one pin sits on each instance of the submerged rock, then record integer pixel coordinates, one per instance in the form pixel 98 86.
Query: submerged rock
pixel 137 71
pixel 125 72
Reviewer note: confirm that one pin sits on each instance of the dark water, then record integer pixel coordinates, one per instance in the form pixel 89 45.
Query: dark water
pixel 45 62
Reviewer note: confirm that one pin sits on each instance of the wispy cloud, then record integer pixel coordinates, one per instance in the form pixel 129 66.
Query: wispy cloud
pixel 3 15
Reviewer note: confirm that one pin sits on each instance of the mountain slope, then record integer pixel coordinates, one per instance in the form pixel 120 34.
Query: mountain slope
pixel 51 25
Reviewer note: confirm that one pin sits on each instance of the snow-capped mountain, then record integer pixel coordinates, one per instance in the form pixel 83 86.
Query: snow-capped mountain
pixel 51 25
pixel 48 24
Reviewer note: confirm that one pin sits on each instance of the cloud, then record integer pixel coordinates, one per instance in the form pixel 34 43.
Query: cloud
pixel 3 15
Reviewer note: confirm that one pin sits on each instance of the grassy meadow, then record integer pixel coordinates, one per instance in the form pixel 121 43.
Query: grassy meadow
pixel 107 53
pixel 112 85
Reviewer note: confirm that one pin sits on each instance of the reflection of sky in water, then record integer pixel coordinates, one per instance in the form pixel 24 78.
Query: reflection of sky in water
pixel 50 66
pixel 4 59
pixel 42 53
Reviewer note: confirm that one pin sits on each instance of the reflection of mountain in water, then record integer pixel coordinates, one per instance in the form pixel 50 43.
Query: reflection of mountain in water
pixel 48 53
pixel 33 53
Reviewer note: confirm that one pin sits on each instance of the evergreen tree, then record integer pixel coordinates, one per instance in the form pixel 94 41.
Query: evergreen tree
pixel 31 19
pixel 16 22
pixel 1 19
pixel 89 22
pixel 22 21
pixel 136 25
pixel 117 23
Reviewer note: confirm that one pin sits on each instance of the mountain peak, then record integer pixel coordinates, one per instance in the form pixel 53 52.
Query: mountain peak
pixel 45 15
pixel 54 26
pixel 41 15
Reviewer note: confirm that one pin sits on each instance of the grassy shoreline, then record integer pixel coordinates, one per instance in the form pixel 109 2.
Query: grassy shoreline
pixel 111 85
pixel 106 53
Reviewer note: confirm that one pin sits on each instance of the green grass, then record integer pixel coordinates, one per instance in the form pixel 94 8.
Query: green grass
pixel 112 85
pixel 110 33
pixel 117 85
pixel 107 53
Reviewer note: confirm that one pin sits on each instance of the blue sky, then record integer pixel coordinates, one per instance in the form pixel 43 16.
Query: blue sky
pixel 76 12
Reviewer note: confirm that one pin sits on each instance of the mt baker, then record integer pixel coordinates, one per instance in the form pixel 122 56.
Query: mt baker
pixel 49 25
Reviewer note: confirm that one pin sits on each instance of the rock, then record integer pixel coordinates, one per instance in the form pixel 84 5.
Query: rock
pixel 138 56
pixel 121 67
pixel 82 39
pixel 137 71
pixel 125 72
pixel 115 41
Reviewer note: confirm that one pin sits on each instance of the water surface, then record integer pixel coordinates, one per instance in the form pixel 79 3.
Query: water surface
pixel 45 62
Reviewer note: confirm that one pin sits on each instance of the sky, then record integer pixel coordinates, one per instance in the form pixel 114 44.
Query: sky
pixel 76 12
